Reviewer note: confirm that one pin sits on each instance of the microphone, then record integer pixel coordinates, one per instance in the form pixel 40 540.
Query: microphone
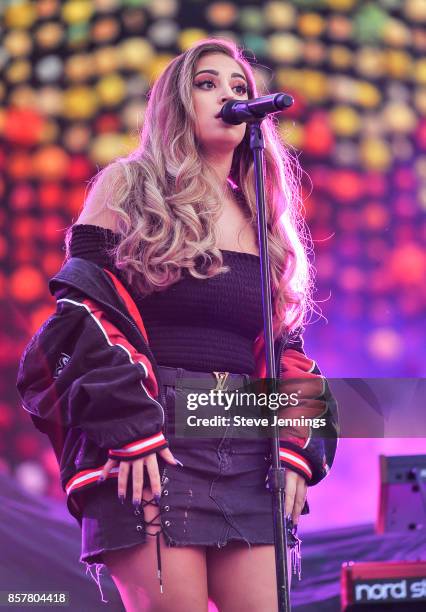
pixel 238 111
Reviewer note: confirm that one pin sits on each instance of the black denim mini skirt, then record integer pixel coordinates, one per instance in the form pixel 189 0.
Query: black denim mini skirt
pixel 218 495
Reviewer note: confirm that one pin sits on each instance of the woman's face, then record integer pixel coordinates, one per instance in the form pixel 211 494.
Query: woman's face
pixel 218 78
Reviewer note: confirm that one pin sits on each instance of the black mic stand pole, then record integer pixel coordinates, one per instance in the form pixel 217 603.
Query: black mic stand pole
pixel 277 473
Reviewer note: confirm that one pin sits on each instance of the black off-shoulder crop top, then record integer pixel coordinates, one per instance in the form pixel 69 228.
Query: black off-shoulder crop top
pixel 202 325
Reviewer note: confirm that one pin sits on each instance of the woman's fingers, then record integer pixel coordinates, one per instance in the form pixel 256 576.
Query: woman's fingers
pixel 106 469
pixel 154 474
pixel 295 494
pixel 123 475
pixel 137 480
pixel 300 498
pixel 168 457
pixel 290 490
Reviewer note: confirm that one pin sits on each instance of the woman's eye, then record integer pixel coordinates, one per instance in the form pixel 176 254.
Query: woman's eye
pixel 201 84
pixel 242 89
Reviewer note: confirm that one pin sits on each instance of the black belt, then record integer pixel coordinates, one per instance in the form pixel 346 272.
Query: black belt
pixel 202 380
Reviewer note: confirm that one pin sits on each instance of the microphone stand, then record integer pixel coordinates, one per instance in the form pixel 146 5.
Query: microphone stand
pixel 277 473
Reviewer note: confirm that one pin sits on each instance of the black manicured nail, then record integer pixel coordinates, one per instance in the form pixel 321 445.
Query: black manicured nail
pixel 136 503
pixel 121 498
pixel 157 498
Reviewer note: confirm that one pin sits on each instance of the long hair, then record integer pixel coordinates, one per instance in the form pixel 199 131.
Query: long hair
pixel 166 197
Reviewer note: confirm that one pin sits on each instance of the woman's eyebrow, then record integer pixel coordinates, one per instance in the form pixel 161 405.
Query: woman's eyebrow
pixel 215 73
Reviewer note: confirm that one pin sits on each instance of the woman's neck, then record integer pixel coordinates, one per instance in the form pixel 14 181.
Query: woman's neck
pixel 221 164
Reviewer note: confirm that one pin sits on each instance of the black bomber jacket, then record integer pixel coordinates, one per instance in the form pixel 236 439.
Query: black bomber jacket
pixel 90 382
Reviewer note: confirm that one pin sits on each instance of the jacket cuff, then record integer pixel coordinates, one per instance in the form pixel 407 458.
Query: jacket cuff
pixel 289 458
pixel 139 448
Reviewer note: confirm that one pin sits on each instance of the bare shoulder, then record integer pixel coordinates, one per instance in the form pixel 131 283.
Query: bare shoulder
pixel 100 198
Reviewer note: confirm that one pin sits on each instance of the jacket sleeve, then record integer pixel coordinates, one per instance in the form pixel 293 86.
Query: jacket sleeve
pixel 80 371
pixel 308 445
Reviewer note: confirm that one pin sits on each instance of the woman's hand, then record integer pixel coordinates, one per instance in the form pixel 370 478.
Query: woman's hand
pixel 295 494
pixel 137 474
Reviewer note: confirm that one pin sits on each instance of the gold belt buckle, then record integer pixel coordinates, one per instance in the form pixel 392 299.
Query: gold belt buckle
pixel 221 378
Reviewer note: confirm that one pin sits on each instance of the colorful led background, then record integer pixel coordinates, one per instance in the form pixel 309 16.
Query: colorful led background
pixel 72 95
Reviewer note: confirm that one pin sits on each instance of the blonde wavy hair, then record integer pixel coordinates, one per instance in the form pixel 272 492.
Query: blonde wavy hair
pixel 166 198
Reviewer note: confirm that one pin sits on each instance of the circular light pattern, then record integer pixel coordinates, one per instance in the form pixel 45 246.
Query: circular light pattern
pixel 163 32
pixel 105 60
pixel 346 186
pixel 339 28
pixel 345 120
pixel 375 154
pixel 190 36
pixel 47 8
pixel 314 52
pixel 136 54
pixel 111 90
pixel 49 100
pixel 251 19
pixel 80 102
pixel 396 33
pixel 22 196
pixel 292 133
pixel 105 30
pixel 340 57
pixel 17 43
pixel 133 114
pixel 369 23
pixel 221 14
pixel 49 69
pixel 398 92
pixel 23 126
pixel 346 153
pixel 163 8
pixel 399 117
pixel 23 97
pixel 415 10
pixel 133 20
pixel 137 86
pixel 27 284
pixel 107 123
pixel 20 15
pixel 50 195
pixel 398 64
pixel 370 62
pixel 49 35
pixel 107 6
pixel 384 344
pixel 77 11
pixel 376 217
pixel 279 15
pixel 402 148
pixel 50 163
pixel 31 477
pixel 284 48
pixel 19 165
pixel 18 71
pixel 79 67
pixel 314 86
pixel 367 94
pixel 311 24
pixel 49 132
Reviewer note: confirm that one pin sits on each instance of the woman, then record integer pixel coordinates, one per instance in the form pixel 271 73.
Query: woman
pixel 176 223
